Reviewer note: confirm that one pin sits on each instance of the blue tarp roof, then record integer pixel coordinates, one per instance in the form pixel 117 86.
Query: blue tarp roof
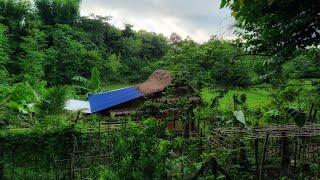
pixel 106 100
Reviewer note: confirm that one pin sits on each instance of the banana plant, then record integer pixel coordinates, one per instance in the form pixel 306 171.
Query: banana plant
pixel 85 85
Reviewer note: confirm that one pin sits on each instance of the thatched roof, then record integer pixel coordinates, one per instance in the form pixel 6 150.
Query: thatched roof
pixel 157 82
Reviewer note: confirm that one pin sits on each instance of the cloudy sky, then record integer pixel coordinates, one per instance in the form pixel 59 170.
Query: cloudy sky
pixel 198 19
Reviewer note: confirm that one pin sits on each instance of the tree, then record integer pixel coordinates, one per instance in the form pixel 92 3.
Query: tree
pixel 212 63
pixel 4 55
pixel 69 55
pixel 95 81
pixel 45 11
pixel 304 64
pixel 153 46
pixel 97 27
pixel 33 56
pixel 113 39
pixel 128 32
pixel 175 38
pixel 58 11
pixel 276 26
pixel 114 64
pixel 14 15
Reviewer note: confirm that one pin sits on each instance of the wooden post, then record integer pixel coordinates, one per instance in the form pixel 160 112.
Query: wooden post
pixel 284 150
pixel 198 123
pixel 314 118
pixel 13 164
pixel 310 113
pixel 243 160
pixel 295 151
pixel 186 129
pixel 174 121
pixel 79 157
pixel 300 148
pixel 72 164
pixel 256 152
pixel 192 125
pixel 214 167
pixel 1 171
pixel 109 127
pixel 285 159
pixel 78 117
pixel 99 138
pixel 263 156
pixel 71 175
pixel 235 108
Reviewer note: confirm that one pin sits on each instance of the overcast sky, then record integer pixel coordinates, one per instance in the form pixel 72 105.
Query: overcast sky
pixel 198 19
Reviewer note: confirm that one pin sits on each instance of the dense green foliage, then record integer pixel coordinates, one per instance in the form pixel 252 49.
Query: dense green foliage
pixel 49 53
pixel 211 63
pixel 275 26
pixel 59 44
pixel 58 11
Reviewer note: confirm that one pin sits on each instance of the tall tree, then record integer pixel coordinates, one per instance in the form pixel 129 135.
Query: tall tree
pixel 175 38
pixel 95 81
pixel 13 14
pixel 4 55
pixel 68 56
pixel 97 27
pixel 153 46
pixel 33 56
pixel 58 11
pixel 128 32
pixel 276 26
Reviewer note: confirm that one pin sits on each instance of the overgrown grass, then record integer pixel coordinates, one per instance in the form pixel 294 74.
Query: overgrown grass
pixel 256 97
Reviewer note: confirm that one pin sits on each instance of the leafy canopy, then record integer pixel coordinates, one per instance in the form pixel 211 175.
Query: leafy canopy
pixel 276 26
pixel 58 11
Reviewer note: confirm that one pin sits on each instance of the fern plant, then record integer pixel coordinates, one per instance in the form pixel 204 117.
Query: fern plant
pixel 53 102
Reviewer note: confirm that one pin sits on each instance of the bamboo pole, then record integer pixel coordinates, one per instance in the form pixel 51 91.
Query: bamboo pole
pixel 263 156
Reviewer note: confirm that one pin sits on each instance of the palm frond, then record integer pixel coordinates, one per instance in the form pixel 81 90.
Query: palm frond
pixel 54 101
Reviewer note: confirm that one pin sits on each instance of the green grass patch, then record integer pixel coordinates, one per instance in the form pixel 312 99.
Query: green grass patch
pixel 256 97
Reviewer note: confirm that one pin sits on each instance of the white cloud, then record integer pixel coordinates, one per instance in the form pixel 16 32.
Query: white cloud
pixel 198 19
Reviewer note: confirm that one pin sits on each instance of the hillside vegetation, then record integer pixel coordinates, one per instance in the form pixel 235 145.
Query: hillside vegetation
pixel 269 75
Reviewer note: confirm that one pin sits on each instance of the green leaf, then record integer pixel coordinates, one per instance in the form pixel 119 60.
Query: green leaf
pixel 198 166
pixel 239 115
pixel 80 79
pixel 270 116
pixel 223 3
pixel 298 116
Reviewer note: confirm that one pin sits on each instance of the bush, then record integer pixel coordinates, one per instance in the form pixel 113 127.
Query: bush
pixel 304 65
